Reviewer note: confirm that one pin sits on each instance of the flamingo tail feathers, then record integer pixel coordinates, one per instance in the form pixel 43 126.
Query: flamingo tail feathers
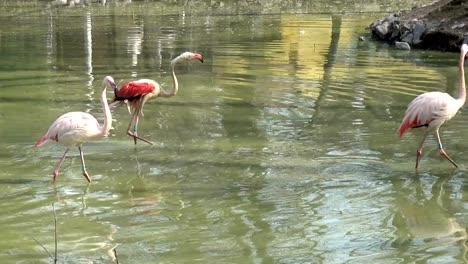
pixel 40 141
pixel 404 127
pixel 408 124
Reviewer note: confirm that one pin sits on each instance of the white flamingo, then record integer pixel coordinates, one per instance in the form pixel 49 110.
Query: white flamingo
pixel 75 128
pixel 433 109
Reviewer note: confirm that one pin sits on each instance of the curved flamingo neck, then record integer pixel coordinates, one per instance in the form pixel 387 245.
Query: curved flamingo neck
pixel 175 86
pixel 105 109
pixel 462 91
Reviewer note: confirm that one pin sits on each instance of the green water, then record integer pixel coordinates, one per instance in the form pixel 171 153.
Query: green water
pixel 280 148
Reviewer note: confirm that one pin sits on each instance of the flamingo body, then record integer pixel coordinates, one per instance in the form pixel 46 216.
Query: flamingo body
pixel 72 129
pixel 134 90
pixel 75 128
pixel 431 110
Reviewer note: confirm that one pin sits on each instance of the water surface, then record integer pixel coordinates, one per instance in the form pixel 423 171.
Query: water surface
pixel 280 148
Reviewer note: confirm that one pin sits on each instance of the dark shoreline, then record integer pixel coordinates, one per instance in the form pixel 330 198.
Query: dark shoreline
pixel 440 26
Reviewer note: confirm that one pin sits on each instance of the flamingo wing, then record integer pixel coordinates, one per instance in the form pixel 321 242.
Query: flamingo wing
pixel 135 89
pixel 427 108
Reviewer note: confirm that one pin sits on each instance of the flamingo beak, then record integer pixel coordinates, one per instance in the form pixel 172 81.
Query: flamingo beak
pixel 114 88
pixel 198 57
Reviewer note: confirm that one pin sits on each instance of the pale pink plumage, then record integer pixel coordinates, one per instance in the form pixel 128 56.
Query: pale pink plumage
pixel 72 129
pixel 75 128
pixel 430 109
pixel 433 109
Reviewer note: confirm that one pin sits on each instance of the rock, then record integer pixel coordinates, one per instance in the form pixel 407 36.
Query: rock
pixel 362 38
pixel 462 25
pixel 402 45
pixel 418 30
pixel 431 25
pixel 391 18
pixel 441 25
pixel 382 30
pixel 408 38
pixel 395 32
pixel 439 39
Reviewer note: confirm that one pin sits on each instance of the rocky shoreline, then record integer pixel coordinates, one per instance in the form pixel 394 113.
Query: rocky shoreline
pixel 440 26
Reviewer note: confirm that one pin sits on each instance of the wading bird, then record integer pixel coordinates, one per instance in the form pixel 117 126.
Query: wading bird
pixel 75 128
pixel 433 109
pixel 136 93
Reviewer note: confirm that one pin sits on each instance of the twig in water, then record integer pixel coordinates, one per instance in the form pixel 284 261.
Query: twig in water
pixel 116 257
pixel 45 249
pixel 55 232
pixel 114 251
pixel 55 259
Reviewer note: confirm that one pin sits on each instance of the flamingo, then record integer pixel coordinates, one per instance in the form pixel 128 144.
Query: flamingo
pixel 431 110
pixel 135 94
pixel 75 128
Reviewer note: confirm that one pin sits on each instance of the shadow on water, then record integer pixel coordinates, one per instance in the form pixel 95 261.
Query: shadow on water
pixel 23 181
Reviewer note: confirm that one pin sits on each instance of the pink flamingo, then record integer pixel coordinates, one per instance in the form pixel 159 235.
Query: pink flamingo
pixel 433 109
pixel 76 128
pixel 136 93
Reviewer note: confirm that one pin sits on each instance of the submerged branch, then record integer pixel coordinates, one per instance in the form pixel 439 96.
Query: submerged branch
pixel 55 232
pixel 54 258
pixel 45 249
pixel 115 254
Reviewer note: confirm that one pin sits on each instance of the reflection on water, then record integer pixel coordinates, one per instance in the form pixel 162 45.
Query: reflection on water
pixel 426 220
pixel 88 42
pixel 135 39
pixel 280 148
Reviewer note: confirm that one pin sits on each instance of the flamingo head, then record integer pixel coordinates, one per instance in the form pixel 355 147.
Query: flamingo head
pixel 464 48
pixel 187 56
pixel 196 56
pixel 109 80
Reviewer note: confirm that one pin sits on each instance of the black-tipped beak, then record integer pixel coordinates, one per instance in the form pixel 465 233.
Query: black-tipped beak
pixel 114 87
pixel 201 60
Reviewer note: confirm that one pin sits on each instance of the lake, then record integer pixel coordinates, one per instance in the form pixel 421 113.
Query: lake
pixel 280 148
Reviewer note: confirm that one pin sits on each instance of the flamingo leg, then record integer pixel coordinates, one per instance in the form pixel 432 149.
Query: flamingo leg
pixel 59 164
pixel 128 106
pixel 419 151
pixel 134 121
pixel 442 151
pixel 85 173
pixel 129 132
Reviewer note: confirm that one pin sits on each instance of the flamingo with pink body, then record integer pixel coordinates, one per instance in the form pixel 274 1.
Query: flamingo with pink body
pixel 431 110
pixel 136 93
pixel 75 128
